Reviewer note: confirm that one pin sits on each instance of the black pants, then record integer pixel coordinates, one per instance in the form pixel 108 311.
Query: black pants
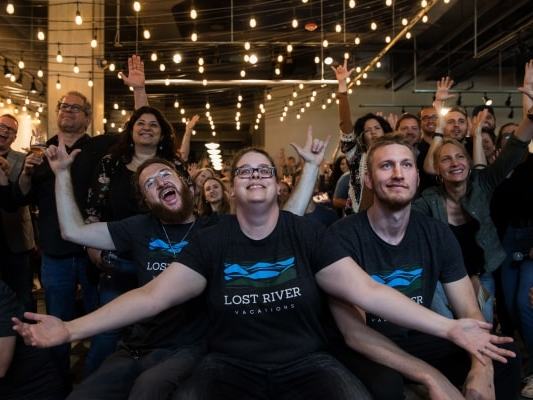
pixel 316 376
pixel 453 362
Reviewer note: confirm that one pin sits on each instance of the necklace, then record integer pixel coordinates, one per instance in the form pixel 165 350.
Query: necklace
pixel 182 239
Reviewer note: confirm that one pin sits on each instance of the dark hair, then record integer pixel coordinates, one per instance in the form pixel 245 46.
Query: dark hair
pixel 87 108
pixel 124 148
pixel 138 189
pixel 500 136
pixel 247 150
pixel 387 140
pixel 204 208
pixel 336 172
pixel 11 117
pixel 359 126
pixel 478 109
pixel 407 116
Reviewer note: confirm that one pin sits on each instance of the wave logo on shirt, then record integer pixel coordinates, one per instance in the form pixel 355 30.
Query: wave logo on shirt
pixel 407 280
pixel 260 274
pixel 159 245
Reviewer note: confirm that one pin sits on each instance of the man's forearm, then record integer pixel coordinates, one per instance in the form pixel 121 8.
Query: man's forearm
pixel 24 184
pixel 70 218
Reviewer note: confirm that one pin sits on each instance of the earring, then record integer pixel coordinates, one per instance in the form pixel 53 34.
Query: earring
pixel 160 147
pixel 131 145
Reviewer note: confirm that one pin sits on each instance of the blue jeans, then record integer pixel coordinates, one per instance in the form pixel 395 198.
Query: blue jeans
pixel 314 376
pixel 517 278
pixel 60 277
pixel 111 285
pixel 441 305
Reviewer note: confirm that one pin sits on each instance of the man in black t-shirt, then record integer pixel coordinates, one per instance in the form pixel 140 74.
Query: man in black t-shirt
pixel 411 252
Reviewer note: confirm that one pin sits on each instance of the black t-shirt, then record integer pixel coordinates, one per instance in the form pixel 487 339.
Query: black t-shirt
pixel 144 237
pixel 427 253
pixel 426 180
pixel 31 374
pixel 263 301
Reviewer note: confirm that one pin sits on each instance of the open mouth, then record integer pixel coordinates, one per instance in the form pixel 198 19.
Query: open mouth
pixel 456 171
pixel 255 186
pixel 168 194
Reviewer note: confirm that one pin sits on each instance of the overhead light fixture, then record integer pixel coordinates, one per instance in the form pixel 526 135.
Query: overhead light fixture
pixel 194 37
pixel 193 13
pixel 33 88
pixel 78 20
pixel 487 100
pixel 136 6
pixel 511 113
pixel 294 23
pixel 459 101
pixel 10 8
pixel 508 101
pixel 76 68
pixel 58 83
pixel 153 56
pixel 328 60
pixel 40 34
pixel 146 33
pixel 59 56
pixel 253 22
pixel 212 145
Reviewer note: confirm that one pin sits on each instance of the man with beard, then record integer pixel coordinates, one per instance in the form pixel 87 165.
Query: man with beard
pixel 411 252
pixel 159 352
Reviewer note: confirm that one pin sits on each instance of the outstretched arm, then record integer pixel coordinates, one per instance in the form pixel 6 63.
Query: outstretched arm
pixel 382 350
pixel 135 79
pixel 478 155
pixel 185 147
pixel 313 154
pixel 342 73
pixel 175 285
pixel 73 227
pixel 345 280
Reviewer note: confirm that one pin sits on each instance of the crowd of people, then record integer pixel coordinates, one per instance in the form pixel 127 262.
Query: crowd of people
pixel 407 259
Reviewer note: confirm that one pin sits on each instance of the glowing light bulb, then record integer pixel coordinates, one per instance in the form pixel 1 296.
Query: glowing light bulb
pixel 289 48
pixel 78 20
pixel 59 57
pixel 277 71
pixel 167 82
pixel 325 43
pixel 346 55
pixel 136 6
pixel 40 73
pixel 253 59
pixel 373 26
pixel 388 3
pixel 176 58
pixel 90 82
pixel 378 64
pixel 146 34
pixel 253 22
pixel 365 75
pixel 112 67
pixel 357 40
pixel 10 8
pixel 280 58
pixel 41 35
pixel 338 28
pixel 76 68
pixel 162 67
pixel 58 84
pixel 351 4
pixel 94 43
pixel 243 73
pixel 387 39
pixel 317 59
pixel 294 23
pixel 153 56
pixel 357 69
pixel 21 64
pixel 423 3
pixel 408 35
pixel 404 21
pixel 201 61
pixel 246 58
pixel 425 19
pixel 247 45
pixel 201 69
pixel 194 37
pixel 269 96
pixel 194 13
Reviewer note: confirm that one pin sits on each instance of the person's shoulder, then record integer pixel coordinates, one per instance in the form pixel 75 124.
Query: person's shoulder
pixel 351 220
pixel 427 222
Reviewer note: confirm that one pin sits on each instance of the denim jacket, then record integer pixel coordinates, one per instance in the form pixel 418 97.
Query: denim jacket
pixel 476 201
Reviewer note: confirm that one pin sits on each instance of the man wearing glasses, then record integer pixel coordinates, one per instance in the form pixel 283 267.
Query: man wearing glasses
pixel 64 264
pixel 16 231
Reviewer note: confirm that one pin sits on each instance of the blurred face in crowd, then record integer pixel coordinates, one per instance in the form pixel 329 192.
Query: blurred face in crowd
pixel 506 132
pixel 344 165
pixel 428 120
pixel 456 125
pixel 393 176
pixel 410 130
pixel 146 131
pixel 489 123
pixel 202 176
pixel 488 144
pixel 8 132
pixel 165 193
pixel 453 163
pixel 71 115
pixel 284 192
pixel 213 191
pixel 371 131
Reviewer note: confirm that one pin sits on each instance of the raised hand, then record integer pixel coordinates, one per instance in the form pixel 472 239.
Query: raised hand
pixel 392 119
pixel 474 336
pixel 192 122
pixel 313 150
pixel 341 73
pixel 135 77
pixel 47 332
pixel 478 121
pixel 443 86
pixel 58 158
pixel 528 75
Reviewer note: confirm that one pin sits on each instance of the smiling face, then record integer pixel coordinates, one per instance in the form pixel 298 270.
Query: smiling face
pixel 146 131
pixel 393 176
pixel 8 132
pixel 453 163
pixel 213 191
pixel 488 144
pixel 255 189
pixel 71 115
pixel 428 120
pixel 456 125
pixel 165 193
pixel 371 131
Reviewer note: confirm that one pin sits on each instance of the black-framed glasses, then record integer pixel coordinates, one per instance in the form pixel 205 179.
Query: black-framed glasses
pixel 8 129
pixel 75 108
pixel 245 172
pixel 429 118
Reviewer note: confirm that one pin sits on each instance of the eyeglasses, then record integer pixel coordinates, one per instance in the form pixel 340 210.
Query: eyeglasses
pixel 8 129
pixel 263 172
pixel 75 108
pixel 164 175
pixel 429 118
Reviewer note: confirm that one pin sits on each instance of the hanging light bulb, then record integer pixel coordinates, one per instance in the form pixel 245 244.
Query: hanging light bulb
pixel 388 3
pixel 317 60
pixel 167 82
pixel 146 33
pixel 194 13
pixel 40 72
pixel 10 8
pixel 338 28
pixel 40 34
pixel 115 106
pixel 425 19
pixel 253 59
pixel 201 69
pixel 153 56
pixel 94 42
pixel 351 4
pixel 247 45
pixel 162 67
pixel 387 39
pixel 378 64
pixel 176 103
pixel 253 22
pixel 90 82
pixel 21 63
pixel 76 68
pixel 112 67
pixel 357 40
pixel 373 26
pixel 294 23
pixel 357 69
pixel 201 61
pixel 346 55
pixel 289 48
pixel 325 43
pixel 404 21
pixel 305 1
pixel 280 58
pixel 194 36
pixel 26 100
pixel 136 6
pixel 78 20
pixel 246 58
pixel 176 58
pixel 58 83
pixel 243 73
pixel 408 35
pixel 123 112
pixel 277 70
pixel 239 98
pixel 446 1
pixel 423 3
pixel 269 96
pixel 59 56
